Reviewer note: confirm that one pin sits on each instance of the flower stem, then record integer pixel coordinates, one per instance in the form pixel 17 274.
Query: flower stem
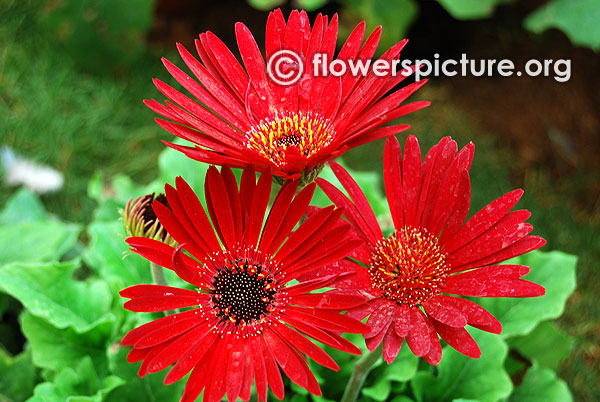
pixel 362 368
pixel 158 277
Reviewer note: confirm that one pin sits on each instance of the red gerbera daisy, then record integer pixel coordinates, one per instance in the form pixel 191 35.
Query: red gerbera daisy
pixel 244 319
pixel 411 273
pixel 245 117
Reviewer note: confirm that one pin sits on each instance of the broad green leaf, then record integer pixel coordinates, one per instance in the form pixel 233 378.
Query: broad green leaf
pixel 368 181
pixel 555 271
pixel 266 5
pixel 107 255
pixel 22 207
pixel 135 389
pixel 311 5
pixel 459 376
pixel 404 367
pixel 541 384
pixel 379 391
pixel 402 398
pixel 17 376
pixel 578 19
pixel 36 241
pixel 54 348
pixel 546 345
pixel 470 9
pixel 76 384
pixel 395 16
pixel 48 291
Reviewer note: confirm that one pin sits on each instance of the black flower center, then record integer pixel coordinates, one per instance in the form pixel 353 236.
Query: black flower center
pixel 243 292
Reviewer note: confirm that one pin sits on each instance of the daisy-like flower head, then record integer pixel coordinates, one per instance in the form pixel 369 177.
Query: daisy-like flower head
pixel 411 274
pixel 242 116
pixel 243 320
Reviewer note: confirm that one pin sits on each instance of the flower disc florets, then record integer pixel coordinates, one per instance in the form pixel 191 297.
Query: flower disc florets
pixel 243 292
pixel 273 137
pixel 409 266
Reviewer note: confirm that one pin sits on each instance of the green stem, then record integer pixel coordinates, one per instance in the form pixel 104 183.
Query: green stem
pixel 362 368
pixel 158 277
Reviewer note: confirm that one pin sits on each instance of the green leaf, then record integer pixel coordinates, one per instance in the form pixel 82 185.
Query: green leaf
pixel 17 376
pixel 311 5
pixel 396 17
pixel 36 241
pixel 78 384
pixel 106 255
pixel 54 348
pixel 135 389
pixel 463 377
pixel 379 391
pixel 555 271
pixel 545 345
pixel 541 384
pixel 48 291
pixel 470 9
pixel 404 367
pixel 23 207
pixel 266 5
pixel 368 181
pixel 578 19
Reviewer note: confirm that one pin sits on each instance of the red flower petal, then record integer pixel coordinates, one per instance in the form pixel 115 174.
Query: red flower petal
pixel 458 338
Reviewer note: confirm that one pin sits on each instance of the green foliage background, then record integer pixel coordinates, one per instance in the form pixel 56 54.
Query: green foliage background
pixel 71 93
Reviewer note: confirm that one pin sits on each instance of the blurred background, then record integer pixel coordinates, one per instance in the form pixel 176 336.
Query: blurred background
pixel 73 75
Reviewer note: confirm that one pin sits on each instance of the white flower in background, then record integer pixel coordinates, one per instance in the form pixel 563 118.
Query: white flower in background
pixel 37 178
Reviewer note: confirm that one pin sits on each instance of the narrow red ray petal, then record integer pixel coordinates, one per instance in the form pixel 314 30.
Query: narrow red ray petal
pixel 138 333
pixel 259 369
pixel 223 209
pixel 373 342
pixel 381 318
pixel 330 301
pixel 402 321
pixel 358 198
pixel 197 214
pixel 458 338
pixel 476 315
pixel 391 345
pixel 444 313
pixel 392 176
pixel 323 336
pixel 163 303
pixel 234 197
pixel 493 281
pixel 203 347
pixel 178 346
pixel 460 210
pixel 434 356
pixel 136 355
pixel 277 214
pixel 521 246
pixel 215 388
pixel 507 231
pixel 260 200
pixel 483 220
pixel 411 180
pixel 418 339
pixel 273 374
pixel 234 373
pixel 302 344
pixel 169 331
